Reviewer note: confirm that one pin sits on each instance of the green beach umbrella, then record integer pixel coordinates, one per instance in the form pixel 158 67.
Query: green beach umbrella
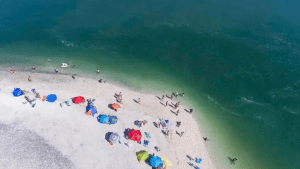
pixel 143 156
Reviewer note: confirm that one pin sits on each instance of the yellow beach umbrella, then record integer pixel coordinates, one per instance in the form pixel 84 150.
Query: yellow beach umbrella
pixel 167 161
pixel 143 156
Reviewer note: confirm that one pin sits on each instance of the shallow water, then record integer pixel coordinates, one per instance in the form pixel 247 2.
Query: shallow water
pixel 240 74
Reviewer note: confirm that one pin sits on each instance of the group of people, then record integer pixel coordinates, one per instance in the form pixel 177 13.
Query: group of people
pixel 56 71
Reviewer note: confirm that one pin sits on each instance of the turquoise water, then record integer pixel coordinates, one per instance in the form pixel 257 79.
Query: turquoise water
pixel 236 61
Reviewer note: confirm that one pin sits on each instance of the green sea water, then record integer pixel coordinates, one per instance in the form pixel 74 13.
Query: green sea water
pixel 236 62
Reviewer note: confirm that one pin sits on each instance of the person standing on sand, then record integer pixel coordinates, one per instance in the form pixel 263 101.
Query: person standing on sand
pixel 166 104
pixel 29 79
pixel 181 134
pixel 120 95
pixel 33 67
pixel 205 138
pixel 177 112
pixel 139 101
pixel 172 97
pixel 162 98
pixel 176 94
pixel 234 160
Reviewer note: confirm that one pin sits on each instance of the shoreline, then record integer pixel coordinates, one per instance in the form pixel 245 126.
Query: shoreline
pixel 84 86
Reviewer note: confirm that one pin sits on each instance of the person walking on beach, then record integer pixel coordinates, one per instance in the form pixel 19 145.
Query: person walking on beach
pixel 100 81
pixel 139 101
pixel 29 79
pixel 177 112
pixel 178 123
pixel 98 71
pixel 166 104
pixel 234 160
pixel 120 95
pixel 33 67
pixel 56 70
pixel 205 138
pixel 162 98
pixel 74 76
pixel 181 134
pixel 172 97
pixel 176 94
pixel 191 111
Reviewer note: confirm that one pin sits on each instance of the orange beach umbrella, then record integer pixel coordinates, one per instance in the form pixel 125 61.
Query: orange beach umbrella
pixel 115 106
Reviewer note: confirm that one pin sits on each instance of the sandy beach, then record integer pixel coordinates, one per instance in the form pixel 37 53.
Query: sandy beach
pixel 50 136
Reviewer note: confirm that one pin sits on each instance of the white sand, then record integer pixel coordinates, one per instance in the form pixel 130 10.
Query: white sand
pixel 48 136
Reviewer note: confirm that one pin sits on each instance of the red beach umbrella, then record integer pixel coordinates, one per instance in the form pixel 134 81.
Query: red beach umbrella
pixel 79 99
pixel 135 135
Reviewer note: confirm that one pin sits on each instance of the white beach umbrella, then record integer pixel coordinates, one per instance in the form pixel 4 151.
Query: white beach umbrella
pixel 114 137
pixel 166 124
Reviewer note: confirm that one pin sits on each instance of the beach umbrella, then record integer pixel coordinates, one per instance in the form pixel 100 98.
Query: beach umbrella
pixel 103 118
pixel 79 99
pixel 166 124
pixel 143 156
pixel 135 135
pixel 114 137
pixel 17 92
pixel 90 110
pixel 155 161
pixel 51 98
pixel 113 119
pixel 115 106
pixel 167 162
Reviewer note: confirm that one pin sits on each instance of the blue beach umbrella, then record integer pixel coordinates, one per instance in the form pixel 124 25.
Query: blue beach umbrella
pixel 113 119
pixel 17 92
pixel 103 118
pixel 51 98
pixel 155 161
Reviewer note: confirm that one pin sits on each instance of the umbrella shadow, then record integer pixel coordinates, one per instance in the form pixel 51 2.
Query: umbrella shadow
pixel 72 98
pixel 136 122
pixel 107 135
pixel 110 106
pixel 126 132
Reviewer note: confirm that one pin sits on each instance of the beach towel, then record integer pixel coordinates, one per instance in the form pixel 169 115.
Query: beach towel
pixel 44 98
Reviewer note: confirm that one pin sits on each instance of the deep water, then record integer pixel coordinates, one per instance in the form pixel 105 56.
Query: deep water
pixel 237 62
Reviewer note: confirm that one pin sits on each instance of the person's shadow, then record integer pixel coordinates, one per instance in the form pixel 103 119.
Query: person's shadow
pixel 135 100
pixel 187 111
pixel 230 160
pixel 155 124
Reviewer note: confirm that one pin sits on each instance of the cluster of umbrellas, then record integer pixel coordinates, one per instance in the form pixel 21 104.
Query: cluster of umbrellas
pixel 18 92
pixel 106 119
pixel 155 161
pixel 135 135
